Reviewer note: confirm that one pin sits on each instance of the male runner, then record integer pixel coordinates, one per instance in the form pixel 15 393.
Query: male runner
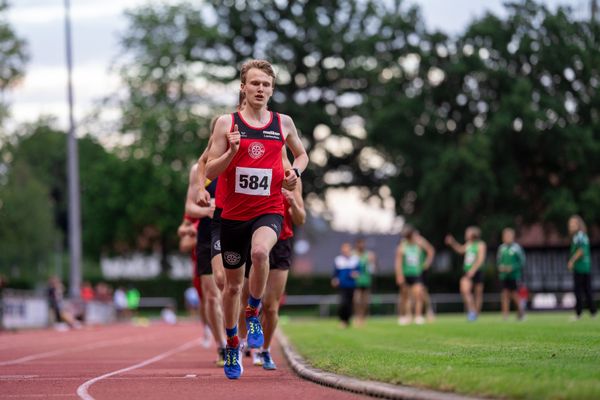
pixel 474 251
pixel 247 148
pixel 210 292
pixel 187 233
pixel 280 261
pixel 510 260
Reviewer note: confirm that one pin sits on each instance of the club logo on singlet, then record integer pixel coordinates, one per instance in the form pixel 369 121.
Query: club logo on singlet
pixel 232 258
pixel 256 150
pixel 217 245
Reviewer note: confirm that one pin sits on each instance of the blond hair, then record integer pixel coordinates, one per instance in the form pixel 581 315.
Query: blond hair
pixel 262 65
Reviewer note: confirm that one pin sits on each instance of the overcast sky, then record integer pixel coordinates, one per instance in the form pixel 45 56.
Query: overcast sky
pixel 96 28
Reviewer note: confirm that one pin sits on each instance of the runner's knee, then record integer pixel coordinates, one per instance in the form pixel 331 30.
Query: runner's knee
pixel 259 254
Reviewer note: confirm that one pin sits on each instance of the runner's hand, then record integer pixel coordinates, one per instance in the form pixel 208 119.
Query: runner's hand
pixel 290 180
pixel 234 139
pixel 289 196
pixel 203 197
pixel 400 280
pixel 449 240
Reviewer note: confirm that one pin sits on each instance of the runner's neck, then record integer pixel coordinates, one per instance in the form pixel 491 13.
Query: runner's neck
pixel 256 116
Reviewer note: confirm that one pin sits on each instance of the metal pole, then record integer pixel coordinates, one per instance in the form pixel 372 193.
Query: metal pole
pixel 72 173
pixel 594 10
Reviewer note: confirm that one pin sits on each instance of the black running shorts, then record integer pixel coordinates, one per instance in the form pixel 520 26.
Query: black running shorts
pixel 236 237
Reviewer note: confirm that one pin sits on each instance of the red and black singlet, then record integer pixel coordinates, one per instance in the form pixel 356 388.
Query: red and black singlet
pixel 255 175
pixel 196 223
pixel 287 228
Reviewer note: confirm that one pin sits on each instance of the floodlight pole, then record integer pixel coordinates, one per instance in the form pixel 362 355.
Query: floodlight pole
pixel 72 173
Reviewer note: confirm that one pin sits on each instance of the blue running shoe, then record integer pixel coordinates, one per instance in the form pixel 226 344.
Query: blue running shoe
pixel 268 361
pixel 255 332
pixel 233 362
pixel 472 316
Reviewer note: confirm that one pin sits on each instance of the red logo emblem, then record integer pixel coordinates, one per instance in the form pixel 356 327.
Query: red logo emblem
pixel 256 150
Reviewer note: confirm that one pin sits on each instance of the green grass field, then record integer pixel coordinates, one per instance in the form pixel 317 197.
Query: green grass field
pixel 545 357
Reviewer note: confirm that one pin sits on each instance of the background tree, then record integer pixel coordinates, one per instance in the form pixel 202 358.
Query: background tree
pixel 500 127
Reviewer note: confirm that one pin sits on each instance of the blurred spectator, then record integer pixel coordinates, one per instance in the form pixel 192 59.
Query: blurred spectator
pixel 120 302
pixel 133 300
pixel 168 316
pixel 471 284
pixel 3 284
pixel 510 261
pixel 56 298
pixel 192 301
pixel 103 292
pixel 87 292
pixel 414 256
pixel 580 263
pixel 344 275
pixel 364 280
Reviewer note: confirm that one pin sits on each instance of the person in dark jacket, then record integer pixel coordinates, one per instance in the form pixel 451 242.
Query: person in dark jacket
pixel 346 270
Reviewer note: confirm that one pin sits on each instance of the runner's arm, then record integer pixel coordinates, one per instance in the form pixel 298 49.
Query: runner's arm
pixel 457 247
pixel 293 141
pixel 398 265
pixel 296 202
pixel 191 207
pixel 429 250
pixel 223 148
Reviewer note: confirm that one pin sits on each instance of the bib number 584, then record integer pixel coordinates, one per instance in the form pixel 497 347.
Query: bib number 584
pixel 253 181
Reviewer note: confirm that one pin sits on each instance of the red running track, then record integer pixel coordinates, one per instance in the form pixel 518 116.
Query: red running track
pixel 134 362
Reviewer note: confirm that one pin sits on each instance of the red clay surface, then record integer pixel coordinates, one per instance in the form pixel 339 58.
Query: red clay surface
pixel 158 362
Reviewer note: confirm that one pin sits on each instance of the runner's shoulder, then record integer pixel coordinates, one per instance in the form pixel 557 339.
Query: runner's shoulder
pixel 224 122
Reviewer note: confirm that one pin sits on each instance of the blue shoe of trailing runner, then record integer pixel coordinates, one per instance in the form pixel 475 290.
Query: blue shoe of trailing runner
pixel 472 316
pixel 268 361
pixel 255 332
pixel 233 362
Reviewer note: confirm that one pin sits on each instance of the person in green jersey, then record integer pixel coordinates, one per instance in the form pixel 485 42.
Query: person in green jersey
pixel 414 254
pixel 474 251
pixel 362 293
pixel 510 261
pixel 580 262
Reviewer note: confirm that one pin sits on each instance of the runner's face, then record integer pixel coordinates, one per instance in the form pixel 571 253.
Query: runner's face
pixel 258 88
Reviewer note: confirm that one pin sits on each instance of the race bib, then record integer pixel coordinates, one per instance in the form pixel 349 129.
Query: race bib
pixel 470 258
pixel 413 258
pixel 253 181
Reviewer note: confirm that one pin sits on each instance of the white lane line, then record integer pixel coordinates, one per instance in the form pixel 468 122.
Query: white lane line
pixel 82 391
pixel 63 351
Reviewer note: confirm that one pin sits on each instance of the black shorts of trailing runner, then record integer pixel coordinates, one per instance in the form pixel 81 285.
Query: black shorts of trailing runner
pixel 203 257
pixel 509 284
pixel 478 277
pixel 236 237
pixel 215 233
pixel 413 280
pixel 281 255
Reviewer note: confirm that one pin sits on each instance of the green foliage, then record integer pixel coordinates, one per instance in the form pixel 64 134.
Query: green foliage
pixel 328 57
pixel 27 232
pixel 509 135
pixel 545 357
pixel 13 56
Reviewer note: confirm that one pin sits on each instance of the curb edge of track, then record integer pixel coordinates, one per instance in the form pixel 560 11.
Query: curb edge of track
pixel 354 385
